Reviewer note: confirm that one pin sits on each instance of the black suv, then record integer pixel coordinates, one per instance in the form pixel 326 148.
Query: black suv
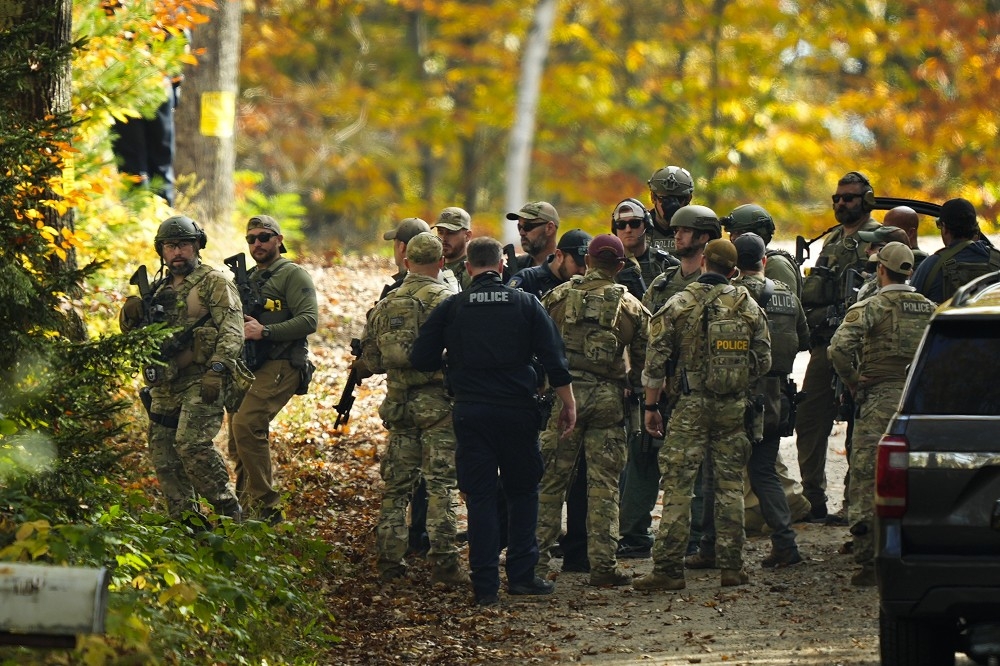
pixel 938 492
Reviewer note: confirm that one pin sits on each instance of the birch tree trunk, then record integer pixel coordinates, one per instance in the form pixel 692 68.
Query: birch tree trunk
pixel 522 134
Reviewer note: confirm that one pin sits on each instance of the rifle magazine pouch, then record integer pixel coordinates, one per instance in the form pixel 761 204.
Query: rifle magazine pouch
pixel 204 344
pixel 239 381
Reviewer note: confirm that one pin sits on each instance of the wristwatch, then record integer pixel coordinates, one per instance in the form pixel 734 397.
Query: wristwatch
pixel 265 333
pixel 218 366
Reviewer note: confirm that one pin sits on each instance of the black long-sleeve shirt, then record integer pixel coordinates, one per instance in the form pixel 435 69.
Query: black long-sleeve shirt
pixel 491 333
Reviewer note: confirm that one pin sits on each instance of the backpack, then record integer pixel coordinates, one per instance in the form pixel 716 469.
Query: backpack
pixel 402 316
pixel 955 274
pixel 727 333
pixel 590 328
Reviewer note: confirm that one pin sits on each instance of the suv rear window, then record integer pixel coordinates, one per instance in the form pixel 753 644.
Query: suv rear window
pixel 957 373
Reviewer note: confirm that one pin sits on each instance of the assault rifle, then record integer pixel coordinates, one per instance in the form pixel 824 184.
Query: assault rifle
pixel 253 304
pixel 347 397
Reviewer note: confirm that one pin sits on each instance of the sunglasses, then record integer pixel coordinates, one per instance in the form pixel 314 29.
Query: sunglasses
pixel 263 238
pixel 634 223
pixel 530 226
pixel 847 198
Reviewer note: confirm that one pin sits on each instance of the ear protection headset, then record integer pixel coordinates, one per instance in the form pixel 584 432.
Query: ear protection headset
pixel 647 217
pixel 868 196
pixel 174 227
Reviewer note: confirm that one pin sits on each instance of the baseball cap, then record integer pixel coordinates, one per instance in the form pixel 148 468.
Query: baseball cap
pixel 606 246
pixel 424 248
pixel 722 253
pixel 536 210
pixel 575 242
pixel 884 235
pixel 628 210
pixel 750 250
pixel 406 229
pixel 897 257
pixel 265 222
pixel 454 218
pixel 958 214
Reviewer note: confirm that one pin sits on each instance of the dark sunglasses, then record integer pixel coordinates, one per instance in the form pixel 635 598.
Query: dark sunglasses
pixel 634 223
pixel 847 198
pixel 530 226
pixel 263 238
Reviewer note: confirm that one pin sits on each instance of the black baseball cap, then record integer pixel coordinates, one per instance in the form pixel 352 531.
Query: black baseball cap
pixel 575 242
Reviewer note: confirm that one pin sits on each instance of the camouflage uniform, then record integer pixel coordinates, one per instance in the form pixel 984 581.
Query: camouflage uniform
pixel 641 484
pixel 182 426
pixel 871 350
pixel 781 267
pixel 458 273
pixel 703 422
pixel 824 299
pixel 598 319
pixel 417 413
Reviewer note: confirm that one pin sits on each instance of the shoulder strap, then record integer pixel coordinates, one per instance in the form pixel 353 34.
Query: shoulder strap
pixel 943 256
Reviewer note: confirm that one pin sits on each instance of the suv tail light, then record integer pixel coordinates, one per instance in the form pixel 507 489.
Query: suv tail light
pixel 891 466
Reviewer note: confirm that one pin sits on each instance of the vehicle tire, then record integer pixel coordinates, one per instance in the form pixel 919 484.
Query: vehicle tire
pixel 908 642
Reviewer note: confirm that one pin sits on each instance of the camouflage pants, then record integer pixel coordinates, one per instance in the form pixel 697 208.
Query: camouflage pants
pixel 600 432
pixel 878 405
pixel 702 425
pixel 181 449
pixel 421 439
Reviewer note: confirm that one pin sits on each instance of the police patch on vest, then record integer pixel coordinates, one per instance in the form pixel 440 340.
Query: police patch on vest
pixel 732 345
pixel 917 307
pixel 487 297
pixel 781 303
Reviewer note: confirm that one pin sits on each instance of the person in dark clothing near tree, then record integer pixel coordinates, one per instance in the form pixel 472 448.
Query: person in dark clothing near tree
pixel 491 334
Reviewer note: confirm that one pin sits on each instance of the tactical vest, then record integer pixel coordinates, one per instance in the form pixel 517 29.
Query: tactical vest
pixel 782 310
pixel 403 313
pixel 891 343
pixel 826 283
pixel 185 308
pixel 670 282
pixel 717 340
pixel 955 274
pixel 774 269
pixel 590 329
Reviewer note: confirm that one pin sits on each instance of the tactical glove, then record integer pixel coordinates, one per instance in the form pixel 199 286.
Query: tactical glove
pixel 132 314
pixel 211 386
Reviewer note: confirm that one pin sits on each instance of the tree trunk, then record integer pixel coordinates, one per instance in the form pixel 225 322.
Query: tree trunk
pixel 206 117
pixel 522 134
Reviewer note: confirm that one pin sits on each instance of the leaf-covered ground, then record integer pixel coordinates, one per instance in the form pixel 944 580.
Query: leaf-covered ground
pixel 808 614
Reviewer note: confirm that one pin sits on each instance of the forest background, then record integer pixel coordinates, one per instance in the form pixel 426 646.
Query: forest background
pixel 347 116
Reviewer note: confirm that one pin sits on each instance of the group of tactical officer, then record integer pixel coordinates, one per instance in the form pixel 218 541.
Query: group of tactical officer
pixel 239 353
pixel 662 318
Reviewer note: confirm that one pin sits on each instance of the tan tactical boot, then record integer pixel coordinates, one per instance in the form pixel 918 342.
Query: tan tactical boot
pixel 865 577
pixel 452 576
pixel 732 577
pixel 785 557
pixel 699 561
pixel 612 578
pixel 658 581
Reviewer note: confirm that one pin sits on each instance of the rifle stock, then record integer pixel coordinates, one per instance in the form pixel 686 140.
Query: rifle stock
pixel 141 280
pixel 238 265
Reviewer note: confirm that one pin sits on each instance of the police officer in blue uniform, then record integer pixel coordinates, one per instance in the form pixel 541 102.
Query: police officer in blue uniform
pixel 491 333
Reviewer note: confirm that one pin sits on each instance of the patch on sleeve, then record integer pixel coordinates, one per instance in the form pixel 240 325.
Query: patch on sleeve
pixel 656 327
pixel 852 316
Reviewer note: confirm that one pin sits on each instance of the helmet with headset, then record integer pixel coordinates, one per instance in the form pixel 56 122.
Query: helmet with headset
pixel 747 218
pixel 699 218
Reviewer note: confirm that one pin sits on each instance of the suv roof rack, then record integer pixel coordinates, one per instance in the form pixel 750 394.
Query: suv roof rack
pixel 922 207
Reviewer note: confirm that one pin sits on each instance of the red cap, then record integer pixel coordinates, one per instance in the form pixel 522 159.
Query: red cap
pixel 606 246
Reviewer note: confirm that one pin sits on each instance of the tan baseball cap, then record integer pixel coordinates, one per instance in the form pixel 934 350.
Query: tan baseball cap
pixel 424 248
pixel 536 210
pixel 406 229
pixel 454 218
pixel 897 257
pixel 266 222
pixel 722 253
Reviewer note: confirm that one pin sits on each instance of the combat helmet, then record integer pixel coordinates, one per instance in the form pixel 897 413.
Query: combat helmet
pixel 671 181
pixel 699 218
pixel 179 227
pixel 750 217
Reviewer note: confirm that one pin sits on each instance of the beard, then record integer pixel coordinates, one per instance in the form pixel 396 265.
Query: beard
pixel 690 250
pixel 847 216
pixel 535 246
pixel 183 267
